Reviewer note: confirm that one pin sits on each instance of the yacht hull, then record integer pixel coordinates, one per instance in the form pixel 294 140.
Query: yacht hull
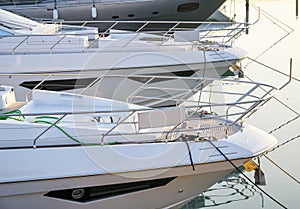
pixel 168 10
pixel 146 175
pixel 76 72
pixel 129 161
pixel 185 186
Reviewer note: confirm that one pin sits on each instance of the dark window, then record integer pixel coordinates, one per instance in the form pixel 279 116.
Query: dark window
pixel 188 7
pixel 155 13
pixel 185 73
pixel 131 15
pixel 100 192
pixel 59 85
pixel 115 17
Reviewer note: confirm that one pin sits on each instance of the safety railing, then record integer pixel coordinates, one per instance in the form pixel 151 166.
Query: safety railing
pixel 200 116
pixel 159 33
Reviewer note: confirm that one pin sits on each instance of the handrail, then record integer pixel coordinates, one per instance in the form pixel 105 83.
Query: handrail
pixel 113 128
pixel 259 103
pixel 40 83
pixel 57 43
pixel 213 33
pixel 194 112
pixel 171 29
pixel 142 27
pixel 47 129
pixel 243 96
pixel 122 110
pixel 26 38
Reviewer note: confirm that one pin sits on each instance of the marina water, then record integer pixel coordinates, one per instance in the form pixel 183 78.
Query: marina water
pixel 277 20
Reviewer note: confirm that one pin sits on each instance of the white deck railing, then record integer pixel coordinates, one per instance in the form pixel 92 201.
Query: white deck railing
pixel 202 118
pixel 208 36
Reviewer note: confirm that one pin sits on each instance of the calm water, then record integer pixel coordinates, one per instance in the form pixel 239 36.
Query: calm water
pixel 236 192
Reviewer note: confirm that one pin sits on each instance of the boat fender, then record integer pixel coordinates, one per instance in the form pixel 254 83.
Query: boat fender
pixel 94 12
pixel 55 14
pixel 250 165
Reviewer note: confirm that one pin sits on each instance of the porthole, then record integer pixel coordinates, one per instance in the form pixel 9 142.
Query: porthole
pixel 78 193
pixel 155 13
pixel 115 17
pixel 131 15
pixel 188 7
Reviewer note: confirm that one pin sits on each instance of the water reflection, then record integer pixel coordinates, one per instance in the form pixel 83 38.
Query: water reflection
pixel 236 192
pixel 232 188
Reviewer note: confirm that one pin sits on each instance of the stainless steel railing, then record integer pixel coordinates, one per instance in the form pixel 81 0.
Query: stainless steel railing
pixel 200 121
pixel 210 33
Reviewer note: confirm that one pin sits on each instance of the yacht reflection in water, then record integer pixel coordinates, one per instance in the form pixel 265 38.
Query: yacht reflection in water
pixel 231 189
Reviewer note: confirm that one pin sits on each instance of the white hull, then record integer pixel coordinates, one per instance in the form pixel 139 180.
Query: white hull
pixel 138 158
pixel 29 175
pixel 62 57
pixel 187 184
pixel 67 71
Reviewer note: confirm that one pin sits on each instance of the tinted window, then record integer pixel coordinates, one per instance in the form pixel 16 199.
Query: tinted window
pixel 100 192
pixel 188 7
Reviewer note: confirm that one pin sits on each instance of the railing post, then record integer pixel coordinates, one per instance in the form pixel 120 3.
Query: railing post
pixel 143 26
pixel 53 124
pixel 40 83
pixel 113 128
pixel 242 97
pixel 13 50
pixel 297 5
pixel 247 15
pixel 57 43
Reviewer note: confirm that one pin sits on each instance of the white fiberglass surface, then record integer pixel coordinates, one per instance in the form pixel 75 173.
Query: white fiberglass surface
pixel 16 22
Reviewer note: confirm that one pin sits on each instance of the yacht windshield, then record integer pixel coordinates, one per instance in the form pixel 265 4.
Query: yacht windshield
pixel 15 22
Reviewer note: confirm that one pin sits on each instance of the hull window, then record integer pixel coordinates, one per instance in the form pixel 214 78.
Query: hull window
pixel 185 73
pixel 87 194
pixel 188 7
pixel 59 85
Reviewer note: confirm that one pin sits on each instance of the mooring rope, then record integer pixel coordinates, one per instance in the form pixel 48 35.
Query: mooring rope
pixel 286 28
pixel 292 177
pixel 284 124
pixel 284 143
pixel 227 159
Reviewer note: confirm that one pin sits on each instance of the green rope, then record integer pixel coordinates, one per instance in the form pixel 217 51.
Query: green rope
pixel 64 132
pixel 46 116
pixel 20 118
pixel 59 128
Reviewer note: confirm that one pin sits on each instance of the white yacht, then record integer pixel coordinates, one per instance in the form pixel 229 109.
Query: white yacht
pixel 59 57
pixel 64 150
pixel 169 10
